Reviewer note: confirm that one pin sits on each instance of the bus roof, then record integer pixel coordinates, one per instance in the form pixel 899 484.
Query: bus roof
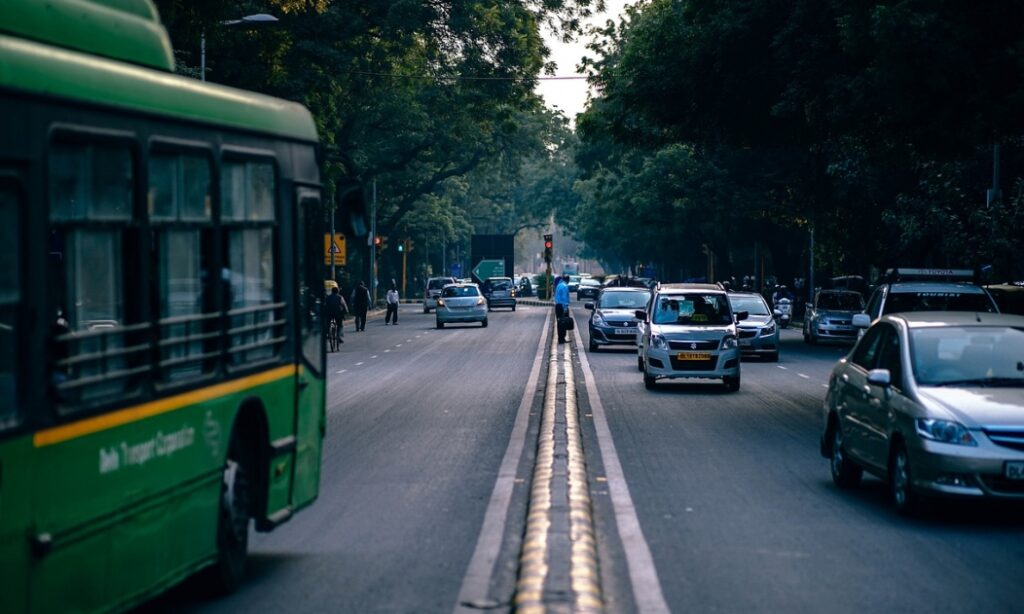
pixel 126 30
pixel 45 70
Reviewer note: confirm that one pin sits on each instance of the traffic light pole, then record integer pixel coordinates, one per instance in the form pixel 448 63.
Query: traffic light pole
pixel 405 253
pixel 373 246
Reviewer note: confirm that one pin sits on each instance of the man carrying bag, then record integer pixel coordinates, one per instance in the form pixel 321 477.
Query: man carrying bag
pixel 563 320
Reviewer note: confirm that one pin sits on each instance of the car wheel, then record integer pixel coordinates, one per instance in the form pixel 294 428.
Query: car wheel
pixel 440 324
pixel 812 340
pixel 845 473
pixel 907 502
pixel 639 363
pixel 649 381
pixel 426 309
pixel 773 357
pixel 483 323
pixel 593 346
pixel 513 307
pixel 732 384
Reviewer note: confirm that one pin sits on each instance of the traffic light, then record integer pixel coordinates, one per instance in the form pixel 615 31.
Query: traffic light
pixel 401 246
pixel 548 246
pixel 383 242
pixel 377 242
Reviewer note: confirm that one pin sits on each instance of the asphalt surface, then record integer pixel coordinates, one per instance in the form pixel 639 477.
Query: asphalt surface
pixel 734 502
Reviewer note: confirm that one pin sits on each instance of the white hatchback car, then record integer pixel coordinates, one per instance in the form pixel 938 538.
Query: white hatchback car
pixel 689 331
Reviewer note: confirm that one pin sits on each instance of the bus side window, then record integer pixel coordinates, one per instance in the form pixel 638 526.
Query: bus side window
pixel 95 353
pixel 248 216
pixel 10 297
pixel 179 201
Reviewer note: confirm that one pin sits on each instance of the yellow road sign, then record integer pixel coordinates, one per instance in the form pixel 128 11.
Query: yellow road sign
pixel 335 249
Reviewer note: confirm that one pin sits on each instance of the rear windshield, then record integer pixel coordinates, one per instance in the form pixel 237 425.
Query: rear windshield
pixel 898 302
pixel 1009 301
pixel 500 284
pixel 753 305
pixel 840 301
pixel 696 308
pixel 970 355
pixel 457 291
pixel 623 300
pixel 437 284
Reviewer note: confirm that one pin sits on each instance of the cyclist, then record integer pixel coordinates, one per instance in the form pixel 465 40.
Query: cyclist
pixel 336 309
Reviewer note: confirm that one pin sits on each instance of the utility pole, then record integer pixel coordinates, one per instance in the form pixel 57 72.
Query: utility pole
pixel 373 245
pixel 810 279
pixel 333 213
pixel 405 254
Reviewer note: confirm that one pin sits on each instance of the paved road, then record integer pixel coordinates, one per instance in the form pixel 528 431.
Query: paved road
pixel 734 502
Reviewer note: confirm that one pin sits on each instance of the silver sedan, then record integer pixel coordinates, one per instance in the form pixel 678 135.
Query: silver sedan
pixel 461 303
pixel 933 403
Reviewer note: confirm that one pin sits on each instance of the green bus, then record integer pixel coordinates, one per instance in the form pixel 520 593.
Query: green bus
pixel 161 348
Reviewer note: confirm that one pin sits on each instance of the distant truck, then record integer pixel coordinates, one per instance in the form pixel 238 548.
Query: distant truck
pixel 571 268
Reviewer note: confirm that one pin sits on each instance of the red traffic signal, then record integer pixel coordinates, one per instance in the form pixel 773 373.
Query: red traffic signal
pixel 376 240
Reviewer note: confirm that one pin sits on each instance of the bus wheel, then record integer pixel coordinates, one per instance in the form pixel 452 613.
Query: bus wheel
pixel 233 516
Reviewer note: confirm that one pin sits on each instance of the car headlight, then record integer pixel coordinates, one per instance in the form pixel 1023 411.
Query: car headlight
pixel 658 342
pixel 729 343
pixel 768 330
pixel 599 320
pixel 945 431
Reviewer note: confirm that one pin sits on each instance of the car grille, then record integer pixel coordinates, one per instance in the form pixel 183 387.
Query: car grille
pixel 694 365
pixel 840 322
pixel 621 324
pixel 1007 438
pixel 693 345
pixel 998 483
pixel 748 333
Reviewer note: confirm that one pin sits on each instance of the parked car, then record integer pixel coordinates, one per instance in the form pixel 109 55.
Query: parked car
pixel 501 292
pixel 588 288
pixel 933 403
pixel 758 335
pixel 433 290
pixel 461 303
pixel 830 317
pixel 613 319
pixel 689 332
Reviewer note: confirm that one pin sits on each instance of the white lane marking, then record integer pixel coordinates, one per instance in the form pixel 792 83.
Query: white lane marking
pixel 804 376
pixel 342 371
pixel 476 583
pixel 359 364
pixel 386 351
pixel 824 386
pixel 642 573
pixel 398 345
pixel 781 367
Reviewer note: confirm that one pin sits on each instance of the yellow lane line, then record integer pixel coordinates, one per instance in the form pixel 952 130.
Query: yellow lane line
pixel 121 417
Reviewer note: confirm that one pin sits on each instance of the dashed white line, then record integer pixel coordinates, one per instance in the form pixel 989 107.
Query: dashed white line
pixel 386 351
pixel 359 364
pixel 781 367
pixel 804 376
pixel 374 356
pixel 824 386
pixel 342 371
pixel 399 345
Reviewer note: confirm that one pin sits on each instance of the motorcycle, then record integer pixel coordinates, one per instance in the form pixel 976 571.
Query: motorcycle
pixel 783 312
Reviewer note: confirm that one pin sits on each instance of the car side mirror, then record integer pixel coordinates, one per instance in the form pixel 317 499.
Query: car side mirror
pixel 880 377
pixel 862 320
pixel 742 315
pixel 589 306
pixel 640 315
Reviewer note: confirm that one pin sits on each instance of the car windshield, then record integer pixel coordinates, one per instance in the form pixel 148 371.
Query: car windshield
pixel 695 308
pixel 574 279
pixel 457 291
pixel 500 284
pixel 437 284
pixel 840 301
pixel 623 300
pixel 970 355
pixel 590 282
pixel 754 305
pixel 899 302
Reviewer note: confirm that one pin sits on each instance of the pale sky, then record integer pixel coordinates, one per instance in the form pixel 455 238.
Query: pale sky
pixel 571 96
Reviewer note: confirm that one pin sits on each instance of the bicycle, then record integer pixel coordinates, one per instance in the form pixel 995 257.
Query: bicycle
pixel 332 336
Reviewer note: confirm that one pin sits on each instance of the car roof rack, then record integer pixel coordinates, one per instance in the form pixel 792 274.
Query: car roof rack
pixel 915 274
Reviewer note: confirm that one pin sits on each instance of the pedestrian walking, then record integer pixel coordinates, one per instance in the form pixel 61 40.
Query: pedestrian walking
pixel 360 304
pixel 392 304
pixel 562 317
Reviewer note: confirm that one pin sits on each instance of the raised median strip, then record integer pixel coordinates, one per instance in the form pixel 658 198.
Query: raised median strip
pixel 558 565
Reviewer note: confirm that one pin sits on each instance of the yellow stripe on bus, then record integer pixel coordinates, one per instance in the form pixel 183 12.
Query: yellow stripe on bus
pixel 121 417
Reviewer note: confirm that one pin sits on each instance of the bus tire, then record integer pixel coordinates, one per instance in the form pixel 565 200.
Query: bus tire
pixel 233 515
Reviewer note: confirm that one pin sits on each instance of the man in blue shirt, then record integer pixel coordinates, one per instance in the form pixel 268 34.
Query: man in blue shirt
pixel 561 305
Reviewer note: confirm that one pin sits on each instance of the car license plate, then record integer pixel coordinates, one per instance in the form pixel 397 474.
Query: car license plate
pixel 624 331
pixel 693 356
pixel 1014 470
pixel 746 343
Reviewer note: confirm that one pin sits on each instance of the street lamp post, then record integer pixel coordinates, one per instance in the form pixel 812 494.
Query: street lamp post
pixel 251 20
